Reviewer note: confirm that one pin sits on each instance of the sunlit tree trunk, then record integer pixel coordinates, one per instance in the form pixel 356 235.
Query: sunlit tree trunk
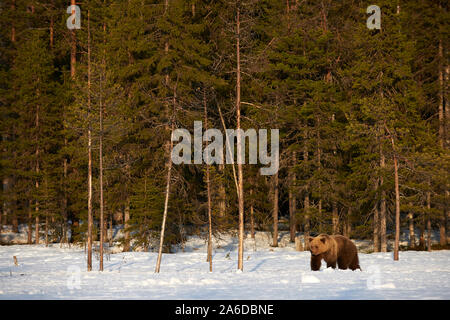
pixel 166 205
pixel 239 145
pixel 90 218
pixel 168 151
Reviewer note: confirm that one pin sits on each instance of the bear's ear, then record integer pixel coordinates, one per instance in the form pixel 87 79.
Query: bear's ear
pixel 310 239
pixel 323 240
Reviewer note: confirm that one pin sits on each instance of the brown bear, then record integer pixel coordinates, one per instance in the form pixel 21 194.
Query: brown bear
pixel 333 249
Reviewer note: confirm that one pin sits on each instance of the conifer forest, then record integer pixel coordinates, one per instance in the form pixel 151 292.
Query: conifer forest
pixel 98 98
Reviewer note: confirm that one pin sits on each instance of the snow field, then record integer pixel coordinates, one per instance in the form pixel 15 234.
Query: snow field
pixel 269 273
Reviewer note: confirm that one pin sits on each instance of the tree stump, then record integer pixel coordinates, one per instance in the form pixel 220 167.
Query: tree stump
pixel 298 243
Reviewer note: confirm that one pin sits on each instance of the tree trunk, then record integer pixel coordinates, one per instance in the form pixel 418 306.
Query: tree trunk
pixel 397 200
pixel 447 213
pixel 46 230
pixel 209 220
pixel 166 204
pixel 6 204
pixel 208 186
pixel 319 166
pixel 397 208
pixel 422 233
pixel 111 231
pixel 101 187
pixel 239 145
pixel 447 134
pixel 168 152
pixel 429 221
pixel 383 237
pixel 442 229
pixel 429 234
pixel 376 225
pixel 73 48
pixel 90 218
pixel 442 131
pixel 335 219
pixel 46 211
pixel 36 232
pixel 228 149
pixel 441 97
pixel 306 199
pixel 252 215
pixel 73 60
pixel 64 202
pixel 126 245
pixel 298 243
pixel 102 220
pixel 348 225
pixel 275 211
pixel 292 199
pixel 30 224
pixel 1 219
pixel 15 222
pixel 13 28
pixel 51 32
pixel 412 236
pixel 222 193
pixel 307 222
pixel 447 106
pixel 6 180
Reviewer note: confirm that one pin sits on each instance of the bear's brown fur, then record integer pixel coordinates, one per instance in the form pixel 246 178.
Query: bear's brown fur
pixel 333 249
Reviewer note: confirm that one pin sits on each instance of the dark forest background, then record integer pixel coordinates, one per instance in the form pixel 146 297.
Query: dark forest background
pixel 349 102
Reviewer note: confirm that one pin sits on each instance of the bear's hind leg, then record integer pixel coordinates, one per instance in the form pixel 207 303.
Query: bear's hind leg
pixel 355 263
pixel 342 263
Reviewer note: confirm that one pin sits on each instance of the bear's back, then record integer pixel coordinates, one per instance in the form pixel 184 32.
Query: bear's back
pixel 344 243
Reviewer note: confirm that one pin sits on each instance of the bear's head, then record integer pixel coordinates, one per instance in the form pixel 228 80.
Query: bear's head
pixel 319 244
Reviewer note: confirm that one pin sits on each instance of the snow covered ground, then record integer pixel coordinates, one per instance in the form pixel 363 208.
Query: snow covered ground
pixel 269 273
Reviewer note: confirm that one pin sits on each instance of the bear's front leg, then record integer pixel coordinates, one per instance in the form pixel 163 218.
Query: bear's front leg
pixel 333 265
pixel 316 262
